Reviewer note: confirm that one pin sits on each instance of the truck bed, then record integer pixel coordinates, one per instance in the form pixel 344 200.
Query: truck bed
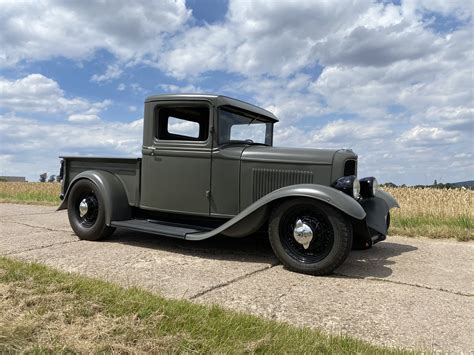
pixel 126 169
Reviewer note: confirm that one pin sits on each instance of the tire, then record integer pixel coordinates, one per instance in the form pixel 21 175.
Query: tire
pixel 331 236
pixel 90 226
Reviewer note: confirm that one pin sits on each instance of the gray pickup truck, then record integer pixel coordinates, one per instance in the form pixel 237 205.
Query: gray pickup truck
pixel 209 167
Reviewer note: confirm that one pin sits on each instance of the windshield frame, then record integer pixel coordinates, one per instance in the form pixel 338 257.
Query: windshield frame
pixel 253 118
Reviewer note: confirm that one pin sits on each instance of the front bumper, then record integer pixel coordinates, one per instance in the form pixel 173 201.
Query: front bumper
pixel 374 227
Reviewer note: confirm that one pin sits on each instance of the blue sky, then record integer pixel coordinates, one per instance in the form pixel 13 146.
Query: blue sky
pixel 392 80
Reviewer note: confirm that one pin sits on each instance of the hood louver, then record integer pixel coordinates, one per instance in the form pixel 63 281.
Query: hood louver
pixel 268 180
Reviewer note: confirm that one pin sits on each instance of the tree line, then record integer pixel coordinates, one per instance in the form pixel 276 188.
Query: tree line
pixel 435 185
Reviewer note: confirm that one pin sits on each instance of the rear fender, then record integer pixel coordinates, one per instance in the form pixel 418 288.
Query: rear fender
pixel 329 195
pixel 112 191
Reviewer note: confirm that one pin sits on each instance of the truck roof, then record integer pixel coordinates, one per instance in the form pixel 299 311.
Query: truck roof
pixel 216 100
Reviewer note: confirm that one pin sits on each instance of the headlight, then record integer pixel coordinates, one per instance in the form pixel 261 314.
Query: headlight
pixel 349 185
pixel 356 189
pixel 368 187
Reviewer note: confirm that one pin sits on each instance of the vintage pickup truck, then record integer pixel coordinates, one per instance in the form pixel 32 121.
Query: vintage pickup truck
pixel 209 167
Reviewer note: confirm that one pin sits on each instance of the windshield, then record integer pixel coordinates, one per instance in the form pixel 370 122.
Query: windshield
pixel 237 127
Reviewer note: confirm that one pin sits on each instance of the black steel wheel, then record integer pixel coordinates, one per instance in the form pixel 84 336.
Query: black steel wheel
pixel 310 236
pixel 86 211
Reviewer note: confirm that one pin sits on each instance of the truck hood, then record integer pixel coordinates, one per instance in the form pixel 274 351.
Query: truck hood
pixel 289 155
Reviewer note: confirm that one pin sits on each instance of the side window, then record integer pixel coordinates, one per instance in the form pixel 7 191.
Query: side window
pixel 183 123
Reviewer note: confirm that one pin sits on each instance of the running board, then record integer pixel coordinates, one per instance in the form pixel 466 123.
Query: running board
pixel 166 229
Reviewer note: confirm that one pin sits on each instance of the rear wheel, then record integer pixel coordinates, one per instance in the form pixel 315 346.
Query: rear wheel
pixel 309 236
pixel 86 211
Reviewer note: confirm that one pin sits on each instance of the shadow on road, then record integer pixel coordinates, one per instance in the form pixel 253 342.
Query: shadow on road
pixel 255 248
pixel 374 262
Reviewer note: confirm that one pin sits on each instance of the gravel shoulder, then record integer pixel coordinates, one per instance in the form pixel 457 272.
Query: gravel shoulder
pixel 414 293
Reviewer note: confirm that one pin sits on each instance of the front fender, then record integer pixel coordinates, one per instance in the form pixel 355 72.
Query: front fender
pixel 389 199
pixel 112 191
pixel 377 209
pixel 329 195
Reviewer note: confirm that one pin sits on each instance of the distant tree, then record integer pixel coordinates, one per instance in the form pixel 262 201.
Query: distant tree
pixel 3 180
pixel 389 184
pixel 52 178
pixel 435 183
pixel 58 178
pixel 43 177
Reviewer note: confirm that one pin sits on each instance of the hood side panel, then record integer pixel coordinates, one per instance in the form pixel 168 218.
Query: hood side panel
pixel 265 181
pixel 258 178
pixel 288 155
pixel 265 169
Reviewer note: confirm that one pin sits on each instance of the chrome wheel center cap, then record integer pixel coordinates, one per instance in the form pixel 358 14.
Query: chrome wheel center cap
pixel 303 233
pixel 83 208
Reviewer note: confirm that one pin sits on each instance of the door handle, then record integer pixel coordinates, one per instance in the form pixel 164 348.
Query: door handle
pixel 149 151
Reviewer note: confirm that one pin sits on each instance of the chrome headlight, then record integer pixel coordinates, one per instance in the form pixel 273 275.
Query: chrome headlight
pixel 368 187
pixel 349 185
pixel 356 189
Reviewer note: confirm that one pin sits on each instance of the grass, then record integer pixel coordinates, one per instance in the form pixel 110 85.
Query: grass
pixel 43 310
pixel 432 213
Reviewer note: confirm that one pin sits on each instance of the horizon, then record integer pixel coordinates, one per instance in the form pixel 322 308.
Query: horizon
pixel 390 80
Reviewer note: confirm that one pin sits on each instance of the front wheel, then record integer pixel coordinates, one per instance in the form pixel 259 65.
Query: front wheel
pixel 86 211
pixel 309 236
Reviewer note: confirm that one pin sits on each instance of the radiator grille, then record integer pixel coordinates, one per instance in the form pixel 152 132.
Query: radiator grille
pixel 350 167
pixel 268 180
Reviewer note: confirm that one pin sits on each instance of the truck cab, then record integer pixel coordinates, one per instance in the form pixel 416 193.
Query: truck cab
pixel 192 148
pixel 209 167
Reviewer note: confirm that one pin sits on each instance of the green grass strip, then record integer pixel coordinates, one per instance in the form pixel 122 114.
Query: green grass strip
pixel 44 310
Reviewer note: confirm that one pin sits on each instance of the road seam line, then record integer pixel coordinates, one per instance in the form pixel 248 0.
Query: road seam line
pixel 26 214
pixel 230 282
pixel 370 278
pixel 39 248
pixel 40 227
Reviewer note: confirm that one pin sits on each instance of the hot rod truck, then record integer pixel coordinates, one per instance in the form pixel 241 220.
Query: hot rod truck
pixel 209 167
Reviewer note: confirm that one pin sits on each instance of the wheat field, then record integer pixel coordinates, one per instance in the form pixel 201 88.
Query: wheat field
pixel 436 213
pixel 433 213
pixel 41 193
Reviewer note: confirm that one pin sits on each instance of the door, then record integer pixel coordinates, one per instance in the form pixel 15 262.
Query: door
pixel 176 168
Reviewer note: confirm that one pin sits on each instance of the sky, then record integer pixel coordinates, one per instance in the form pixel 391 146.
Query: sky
pixel 391 80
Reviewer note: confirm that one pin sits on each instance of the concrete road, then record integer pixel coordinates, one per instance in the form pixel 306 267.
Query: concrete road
pixel 412 293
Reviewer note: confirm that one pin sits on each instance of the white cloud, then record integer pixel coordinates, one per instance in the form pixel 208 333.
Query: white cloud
pixel 458 8
pixel 37 93
pixel 113 71
pixel 41 30
pixel 40 143
pixel 278 43
pixel 83 118
pixel 341 131
pixel 428 136
pixel 188 89
pixel 393 86
pixel 137 89
pixel 377 46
